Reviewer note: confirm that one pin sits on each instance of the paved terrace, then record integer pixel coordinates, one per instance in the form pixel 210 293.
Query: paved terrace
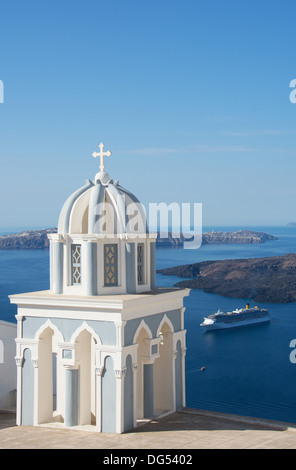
pixel 185 429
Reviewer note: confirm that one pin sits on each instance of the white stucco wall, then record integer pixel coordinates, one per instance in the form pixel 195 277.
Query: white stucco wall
pixel 8 333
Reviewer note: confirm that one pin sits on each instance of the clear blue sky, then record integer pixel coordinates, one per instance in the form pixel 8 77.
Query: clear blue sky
pixel 191 97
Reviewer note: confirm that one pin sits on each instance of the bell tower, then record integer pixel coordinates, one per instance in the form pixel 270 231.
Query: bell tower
pixel 104 346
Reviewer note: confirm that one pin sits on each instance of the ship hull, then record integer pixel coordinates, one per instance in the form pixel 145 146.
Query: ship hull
pixel 234 324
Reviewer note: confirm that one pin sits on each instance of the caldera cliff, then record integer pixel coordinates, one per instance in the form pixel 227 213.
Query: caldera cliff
pixel 271 279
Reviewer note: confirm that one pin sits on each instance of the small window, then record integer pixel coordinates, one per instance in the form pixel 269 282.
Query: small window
pixel 110 265
pixel 76 264
pixel 154 349
pixel 140 263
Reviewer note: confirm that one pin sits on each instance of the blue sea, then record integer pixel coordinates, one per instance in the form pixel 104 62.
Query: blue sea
pixel 248 371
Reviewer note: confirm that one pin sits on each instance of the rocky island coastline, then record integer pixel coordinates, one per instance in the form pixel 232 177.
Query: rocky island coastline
pixel 214 238
pixel 27 239
pixel 38 238
pixel 268 280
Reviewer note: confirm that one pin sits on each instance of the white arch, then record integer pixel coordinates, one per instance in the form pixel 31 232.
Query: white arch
pixel 49 324
pixel 165 319
pixel 85 327
pixel 146 327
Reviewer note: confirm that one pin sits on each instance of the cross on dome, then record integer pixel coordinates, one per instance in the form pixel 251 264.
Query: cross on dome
pixel 102 154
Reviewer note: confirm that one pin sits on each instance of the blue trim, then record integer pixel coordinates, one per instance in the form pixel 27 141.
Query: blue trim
pixel 148 391
pixel 71 398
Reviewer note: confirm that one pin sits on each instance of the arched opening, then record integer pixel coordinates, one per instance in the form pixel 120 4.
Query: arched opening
pixel 46 402
pixel 163 372
pixel 50 377
pixel 85 340
pixel 144 383
pixel 84 354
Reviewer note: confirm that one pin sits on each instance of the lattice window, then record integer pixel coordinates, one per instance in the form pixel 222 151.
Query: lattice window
pixel 76 264
pixel 110 265
pixel 140 263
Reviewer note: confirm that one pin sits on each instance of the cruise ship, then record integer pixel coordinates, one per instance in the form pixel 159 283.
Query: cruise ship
pixel 238 317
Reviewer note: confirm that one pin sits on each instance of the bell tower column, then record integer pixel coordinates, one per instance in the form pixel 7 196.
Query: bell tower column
pixel 58 266
pixel 130 257
pixel 91 268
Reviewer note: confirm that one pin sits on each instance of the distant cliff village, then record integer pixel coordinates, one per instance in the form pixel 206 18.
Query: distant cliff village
pixel 38 238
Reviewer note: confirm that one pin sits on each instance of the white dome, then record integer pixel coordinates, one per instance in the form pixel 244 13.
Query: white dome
pixel 102 207
pixel 102 246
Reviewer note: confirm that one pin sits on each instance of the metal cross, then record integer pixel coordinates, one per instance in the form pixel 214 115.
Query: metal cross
pixel 102 154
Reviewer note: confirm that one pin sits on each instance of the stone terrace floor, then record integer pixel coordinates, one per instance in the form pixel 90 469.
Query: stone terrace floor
pixel 185 429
